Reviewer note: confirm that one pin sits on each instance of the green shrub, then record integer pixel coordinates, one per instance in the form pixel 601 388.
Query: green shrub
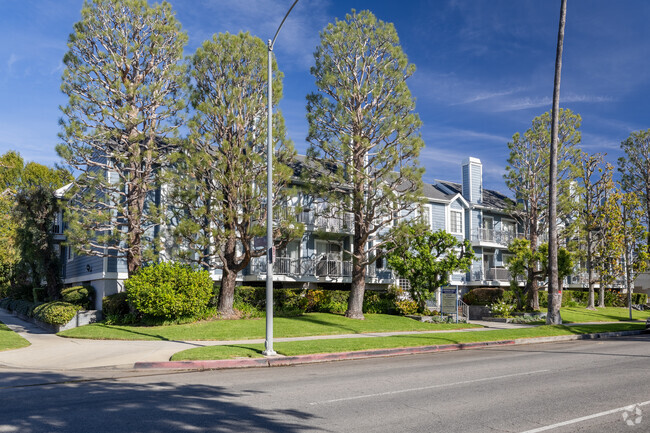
pixel 79 295
pixel 21 291
pixel 5 303
pixel 253 296
pixel 502 309
pixel 56 313
pixel 39 294
pixel 484 296
pixel 23 307
pixel 169 290
pixel 379 303
pixel 407 306
pixel 639 298
pixel 115 305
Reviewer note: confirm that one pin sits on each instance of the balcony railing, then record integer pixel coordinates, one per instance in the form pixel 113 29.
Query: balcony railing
pixel 492 274
pixel 323 267
pixel 500 237
pixel 342 223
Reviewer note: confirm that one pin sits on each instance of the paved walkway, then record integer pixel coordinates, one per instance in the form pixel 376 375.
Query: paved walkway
pixel 50 352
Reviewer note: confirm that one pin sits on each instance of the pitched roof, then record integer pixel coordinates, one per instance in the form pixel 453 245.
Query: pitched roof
pixel 491 198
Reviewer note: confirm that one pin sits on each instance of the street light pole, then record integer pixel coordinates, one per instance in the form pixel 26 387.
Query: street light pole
pixel 268 343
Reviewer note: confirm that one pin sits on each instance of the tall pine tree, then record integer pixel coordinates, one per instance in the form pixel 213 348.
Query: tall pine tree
pixel 123 78
pixel 364 134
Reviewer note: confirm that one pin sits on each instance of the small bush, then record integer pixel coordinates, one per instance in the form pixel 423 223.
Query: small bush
pixel 39 294
pixel 169 290
pixel 502 309
pixel 484 296
pixel 247 311
pixel 5 303
pixel 21 291
pixel 79 295
pixel 22 307
pixel 406 306
pixel 639 298
pixel 56 313
pixel 115 305
pixel 379 303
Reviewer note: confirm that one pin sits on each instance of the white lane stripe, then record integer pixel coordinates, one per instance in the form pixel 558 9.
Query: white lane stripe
pixel 585 418
pixel 484 379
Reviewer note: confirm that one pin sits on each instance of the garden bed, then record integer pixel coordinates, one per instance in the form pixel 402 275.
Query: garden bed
pixel 83 317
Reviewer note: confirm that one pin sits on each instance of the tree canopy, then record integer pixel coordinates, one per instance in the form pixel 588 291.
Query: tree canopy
pixel 124 80
pixel 364 133
pixel 220 188
pixel 428 259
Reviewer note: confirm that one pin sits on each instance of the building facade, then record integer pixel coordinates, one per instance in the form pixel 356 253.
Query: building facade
pixel 320 257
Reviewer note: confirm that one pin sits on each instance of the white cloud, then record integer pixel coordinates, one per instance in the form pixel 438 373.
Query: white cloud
pixel 295 42
pixel 439 135
pixel 13 58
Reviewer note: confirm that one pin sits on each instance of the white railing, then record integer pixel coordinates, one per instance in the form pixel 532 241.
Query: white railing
pixel 343 223
pixel 463 309
pixel 304 267
pixel 492 274
pixel 500 237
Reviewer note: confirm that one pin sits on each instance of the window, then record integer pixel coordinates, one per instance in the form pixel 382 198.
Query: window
pixel 456 222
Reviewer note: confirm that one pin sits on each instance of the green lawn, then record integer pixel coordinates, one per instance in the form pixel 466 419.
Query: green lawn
pixel 301 326
pixel 607 314
pixel 354 344
pixel 10 340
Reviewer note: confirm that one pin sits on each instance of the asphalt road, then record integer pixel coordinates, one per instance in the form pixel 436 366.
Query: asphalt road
pixel 558 387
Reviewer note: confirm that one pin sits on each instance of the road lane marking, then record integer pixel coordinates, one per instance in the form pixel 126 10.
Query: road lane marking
pixel 484 379
pixel 585 418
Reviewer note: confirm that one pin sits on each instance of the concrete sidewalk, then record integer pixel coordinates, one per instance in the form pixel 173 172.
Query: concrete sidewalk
pixel 50 352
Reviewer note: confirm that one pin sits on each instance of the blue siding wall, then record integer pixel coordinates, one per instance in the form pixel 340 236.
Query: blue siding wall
pixel 475 221
pixel 78 267
pixel 473 181
pixel 466 183
pixel 477 183
pixel 437 217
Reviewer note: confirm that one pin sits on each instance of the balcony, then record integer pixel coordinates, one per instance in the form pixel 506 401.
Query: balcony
pixel 502 238
pixel 492 274
pixel 342 223
pixel 298 268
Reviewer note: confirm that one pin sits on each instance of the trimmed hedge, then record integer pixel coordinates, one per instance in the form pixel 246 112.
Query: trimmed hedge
pixel 169 290
pixel 291 302
pixel 485 295
pixel 79 295
pixel 56 313
pixel 491 295
pixel 115 305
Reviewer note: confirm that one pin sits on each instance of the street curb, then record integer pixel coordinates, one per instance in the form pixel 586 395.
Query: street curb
pixel 365 354
pixel 279 361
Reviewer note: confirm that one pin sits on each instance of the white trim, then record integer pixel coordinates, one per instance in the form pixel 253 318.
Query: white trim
pixel 462 222
pixel 462 200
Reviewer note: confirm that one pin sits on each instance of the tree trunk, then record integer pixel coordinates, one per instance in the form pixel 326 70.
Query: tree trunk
pixel 601 295
pixel 532 300
pixel 554 294
pixel 591 304
pixel 358 288
pixel 227 293
pixel 228 280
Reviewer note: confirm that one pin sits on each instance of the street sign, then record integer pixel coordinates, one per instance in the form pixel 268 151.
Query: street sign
pixel 448 300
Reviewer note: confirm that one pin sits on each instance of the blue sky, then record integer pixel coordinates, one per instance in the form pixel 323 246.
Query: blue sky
pixel 484 68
